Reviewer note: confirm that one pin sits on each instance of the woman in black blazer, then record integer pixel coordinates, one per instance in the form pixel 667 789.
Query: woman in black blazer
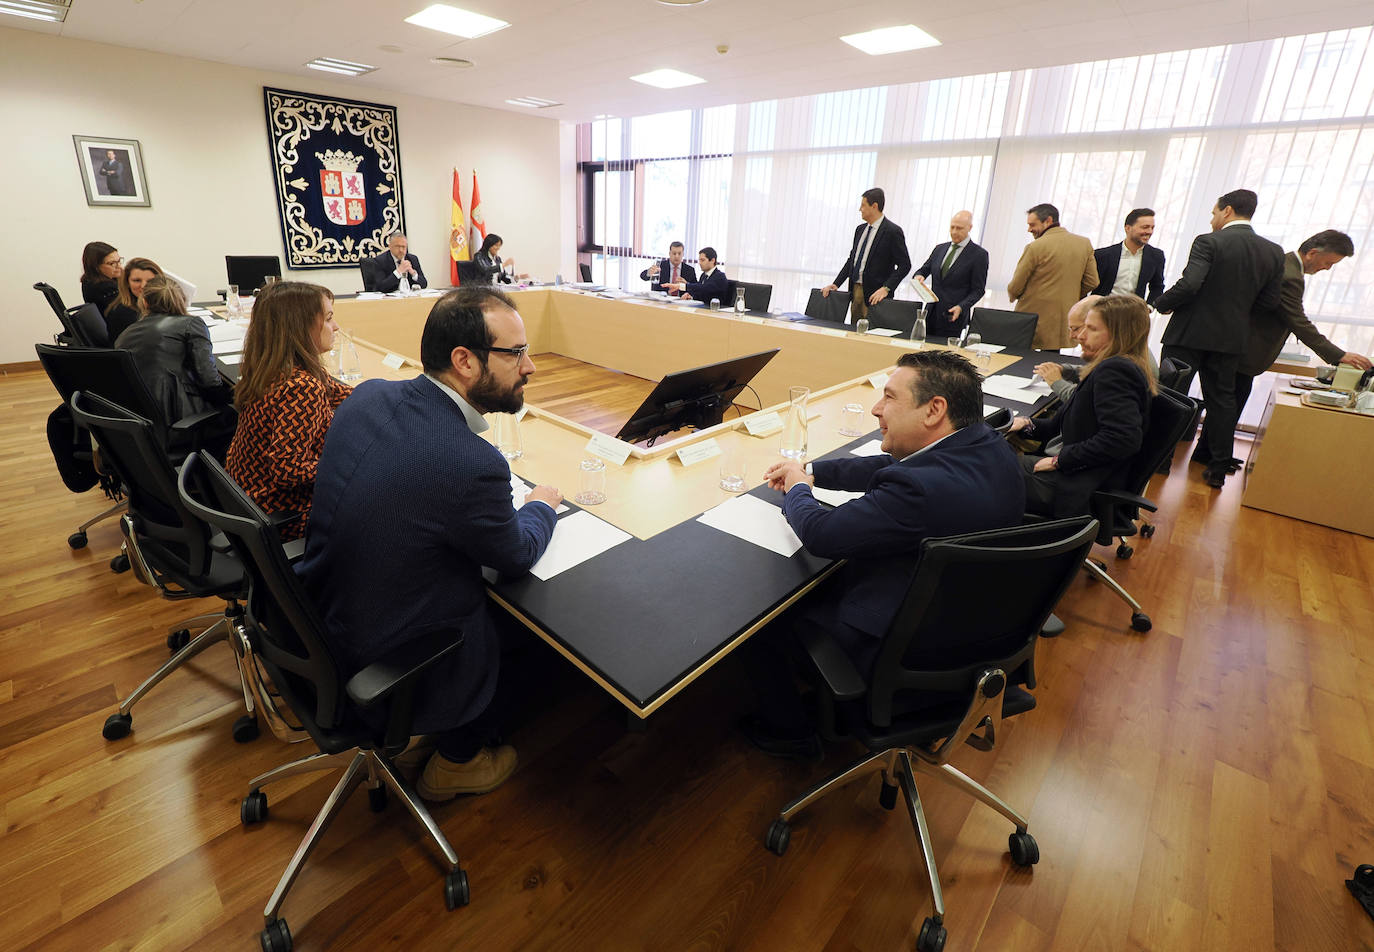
pixel 1102 425
pixel 488 261
pixel 101 267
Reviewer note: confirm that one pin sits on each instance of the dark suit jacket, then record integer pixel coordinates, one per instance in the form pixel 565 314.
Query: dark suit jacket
pixel 1230 273
pixel 384 273
pixel 665 270
pixel 968 482
pixel 1269 329
pixel 409 504
pixel 716 285
pixel 100 293
pixel 172 352
pixel 888 260
pixel 1102 425
pixel 965 284
pixel 1151 283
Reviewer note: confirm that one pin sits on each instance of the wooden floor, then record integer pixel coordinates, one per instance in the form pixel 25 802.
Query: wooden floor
pixel 1207 786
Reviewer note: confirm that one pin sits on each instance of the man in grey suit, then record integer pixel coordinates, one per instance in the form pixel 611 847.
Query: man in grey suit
pixel 1231 273
pixel 1270 329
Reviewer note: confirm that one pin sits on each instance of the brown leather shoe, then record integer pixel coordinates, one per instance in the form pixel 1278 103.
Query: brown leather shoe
pixel 444 779
pixel 416 753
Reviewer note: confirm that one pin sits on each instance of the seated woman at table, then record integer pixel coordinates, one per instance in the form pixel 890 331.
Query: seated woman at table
pixel 101 267
pixel 173 355
pixel 1102 424
pixel 489 264
pixel 125 309
pixel 286 399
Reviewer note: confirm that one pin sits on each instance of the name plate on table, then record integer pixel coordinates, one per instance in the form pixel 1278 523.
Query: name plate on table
pixel 698 452
pixel 879 381
pixel 609 448
pixel 394 361
pixel 763 424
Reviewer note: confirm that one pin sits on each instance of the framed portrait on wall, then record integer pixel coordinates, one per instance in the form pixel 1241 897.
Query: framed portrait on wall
pixel 112 171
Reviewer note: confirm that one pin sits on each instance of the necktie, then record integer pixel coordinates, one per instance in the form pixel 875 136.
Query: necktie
pixel 949 258
pixel 859 258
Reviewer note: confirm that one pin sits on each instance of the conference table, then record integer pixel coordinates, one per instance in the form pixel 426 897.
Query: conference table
pixel 652 613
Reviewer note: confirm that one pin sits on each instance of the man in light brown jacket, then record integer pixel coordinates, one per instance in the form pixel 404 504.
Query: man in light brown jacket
pixel 1055 271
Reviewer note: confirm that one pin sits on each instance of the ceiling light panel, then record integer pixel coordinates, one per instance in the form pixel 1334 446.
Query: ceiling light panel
pixel 892 39
pixel 329 64
pixel 667 79
pixel 533 102
pixel 455 21
pixel 51 11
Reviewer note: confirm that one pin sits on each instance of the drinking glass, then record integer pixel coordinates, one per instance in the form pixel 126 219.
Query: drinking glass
pixel 733 470
pixel 951 342
pixel 508 438
pixel 591 482
pixel 852 420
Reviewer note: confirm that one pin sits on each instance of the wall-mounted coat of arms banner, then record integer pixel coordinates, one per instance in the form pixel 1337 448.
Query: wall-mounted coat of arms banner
pixel 337 167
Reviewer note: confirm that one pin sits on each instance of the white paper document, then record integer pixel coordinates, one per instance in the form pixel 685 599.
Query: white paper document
pixel 883 332
pixel 753 520
pixel 1019 389
pixel 834 497
pixel 576 539
pixel 230 360
pixel 988 348
pixel 871 448
pixel 232 345
pixel 520 491
pixel 226 330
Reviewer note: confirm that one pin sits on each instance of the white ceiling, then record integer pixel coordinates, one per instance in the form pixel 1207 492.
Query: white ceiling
pixel 581 52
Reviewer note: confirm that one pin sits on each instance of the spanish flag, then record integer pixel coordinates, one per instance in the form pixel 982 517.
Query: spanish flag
pixel 458 234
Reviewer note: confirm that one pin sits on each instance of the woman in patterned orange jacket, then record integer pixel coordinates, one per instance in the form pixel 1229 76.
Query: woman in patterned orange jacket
pixel 286 399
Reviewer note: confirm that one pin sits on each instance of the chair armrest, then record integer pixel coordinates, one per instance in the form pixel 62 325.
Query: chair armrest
pixel 1129 499
pixel 188 423
pixel 384 676
pixel 842 679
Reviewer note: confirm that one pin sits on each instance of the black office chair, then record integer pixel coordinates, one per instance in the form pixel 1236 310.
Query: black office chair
pixel 894 314
pixel 835 307
pixel 1000 420
pixel 469 274
pixel 1014 329
pixel 341 714
pixel 369 277
pixel 585 271
pixel 52 297
pixel 171 550
pixel 1177 376
pixel 250 272
pixel 950 668
pixel 757 297
pixel 87 326
pixel 1116 509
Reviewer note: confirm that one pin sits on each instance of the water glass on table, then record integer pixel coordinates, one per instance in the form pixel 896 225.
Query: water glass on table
pixel 508 438
pixel 591 482
pixel 733 469
pixel 852 420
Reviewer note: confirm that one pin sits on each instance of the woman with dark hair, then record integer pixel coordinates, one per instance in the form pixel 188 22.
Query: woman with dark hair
pixel 124 310
pixel 286 399
pixel 488 261
pixel 1102 424
pixel 101 267
pixel 173 355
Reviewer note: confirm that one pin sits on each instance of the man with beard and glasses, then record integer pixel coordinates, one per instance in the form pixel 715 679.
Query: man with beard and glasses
pixel 410 503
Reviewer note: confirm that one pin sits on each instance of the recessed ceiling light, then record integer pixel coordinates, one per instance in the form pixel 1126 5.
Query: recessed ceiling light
pixel 53 11
pixel 329 64
pixel 464 23
pixel 390 48
pixel 533 102
pixel 892 39
pixel 452 62
pixel 667 78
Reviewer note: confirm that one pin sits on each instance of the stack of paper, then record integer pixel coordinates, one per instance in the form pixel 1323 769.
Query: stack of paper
pixel 753 520
pixel 576 539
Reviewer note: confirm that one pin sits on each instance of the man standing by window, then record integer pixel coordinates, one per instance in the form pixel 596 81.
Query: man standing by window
pixel 878 260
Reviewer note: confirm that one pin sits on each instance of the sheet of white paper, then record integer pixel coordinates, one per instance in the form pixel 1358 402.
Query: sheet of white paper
pixel 988 409
pixel 230 360
pixel 988 348
pixel 833 497
pixel 233 345
pixel 1012 388
pixel 884 331
pixel 871 448
pixel 577 538
pixel 753 520
pixel 226 330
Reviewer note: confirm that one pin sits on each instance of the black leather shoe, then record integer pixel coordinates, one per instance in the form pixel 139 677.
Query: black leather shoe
pixel 1216 478
pixel 767 739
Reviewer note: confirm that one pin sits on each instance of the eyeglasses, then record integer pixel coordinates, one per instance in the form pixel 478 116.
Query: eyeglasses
pixel 517 352
pixel 113 264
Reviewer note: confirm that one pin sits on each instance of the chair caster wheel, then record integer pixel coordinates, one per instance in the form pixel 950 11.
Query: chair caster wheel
pixel 1147 529
pixel 1141 622
pixel 1124 551
pixel 253 809
pixel 178 639
pixel 117 726
pixel 376 799
pixel 77 540
pixel 778 836
pixel 276 937
pixel 1024 850
pixel 456 891
pixel 932 937
pixel 119 564
pixel 1053 627
pixel 245 729
pixel 887 796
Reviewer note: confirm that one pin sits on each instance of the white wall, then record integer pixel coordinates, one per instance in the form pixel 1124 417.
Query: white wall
pixel 204 143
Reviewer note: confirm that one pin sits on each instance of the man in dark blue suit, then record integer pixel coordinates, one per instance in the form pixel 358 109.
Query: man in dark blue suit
pixel 394 270
pixel 713 283
pixel 943 472
pixel 669 271
pixel 410 502
pixel 958 270
pixel 1135 266
pixel 878 260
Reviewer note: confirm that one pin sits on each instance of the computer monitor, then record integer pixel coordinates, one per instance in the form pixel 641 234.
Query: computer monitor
pixel 251 272
pixel 697 397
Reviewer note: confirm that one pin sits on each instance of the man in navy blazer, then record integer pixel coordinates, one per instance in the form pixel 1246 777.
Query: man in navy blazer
pixel 1135 266
pixel 943 472
pixel 394 266
pixel 410 503
pixel 878 260
pixel 671 270
pixel 958 270
pixel 713 283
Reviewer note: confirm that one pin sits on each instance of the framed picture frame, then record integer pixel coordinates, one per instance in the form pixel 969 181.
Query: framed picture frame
pixel 112 171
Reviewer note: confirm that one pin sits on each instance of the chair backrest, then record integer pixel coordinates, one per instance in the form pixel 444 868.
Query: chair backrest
pixel 174 543
pixel 828 308
pixel 53 298
pixel 757 297
pixel 976 601
pixel 285 627
pixel 107 372
pixel 87 326
pixel 1175 374
pixel 368 275
pixel 1170 415
pixel 1015 329
pixel 468 273
pixel 1000 420
pixel 250 272
pixel 898 315
pixel 585 270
